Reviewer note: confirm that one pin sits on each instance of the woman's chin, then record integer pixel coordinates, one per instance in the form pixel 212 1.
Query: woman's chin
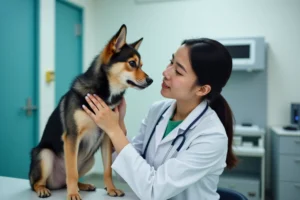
pixel 164 93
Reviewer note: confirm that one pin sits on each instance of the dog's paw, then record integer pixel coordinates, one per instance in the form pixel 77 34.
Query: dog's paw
pixel 75 196
pixel 43 192
pixel 113 192
pixel 86 187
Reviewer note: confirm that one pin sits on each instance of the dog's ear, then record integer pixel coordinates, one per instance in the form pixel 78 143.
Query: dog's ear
pixel 137 44
pixel 120 38
pixel 114 45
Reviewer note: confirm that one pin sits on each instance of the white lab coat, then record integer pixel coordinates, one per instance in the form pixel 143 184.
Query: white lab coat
pixel 191 174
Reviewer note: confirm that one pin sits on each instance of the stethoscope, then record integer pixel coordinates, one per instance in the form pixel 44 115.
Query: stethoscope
pixel 178 136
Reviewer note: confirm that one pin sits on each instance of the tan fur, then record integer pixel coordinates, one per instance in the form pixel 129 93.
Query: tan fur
pixel 71 154
pixel 106 151
pixel 106 53
pixel 137 61
pixel 46 168
pixel 118 69
pixel 116 72
pixel 86 187
pixel 84 123
pixel 139 74
pixel 76 164
pixel 112 47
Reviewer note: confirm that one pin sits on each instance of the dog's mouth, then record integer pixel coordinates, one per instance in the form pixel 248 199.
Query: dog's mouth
pixel 136 85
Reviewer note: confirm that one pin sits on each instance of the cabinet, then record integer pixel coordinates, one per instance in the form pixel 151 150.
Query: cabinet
pixel 248 177
pixel 285 164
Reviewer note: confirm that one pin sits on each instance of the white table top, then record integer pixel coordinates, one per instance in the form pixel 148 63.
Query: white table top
pixel 280 131
pixel 13 188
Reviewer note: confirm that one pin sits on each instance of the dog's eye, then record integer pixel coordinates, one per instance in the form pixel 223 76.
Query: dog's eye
pixel 132 63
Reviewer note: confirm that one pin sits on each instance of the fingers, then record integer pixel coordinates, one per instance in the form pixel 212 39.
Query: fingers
pixel 97 103
pixel 92 115
pixel 100 100
pixel 94 106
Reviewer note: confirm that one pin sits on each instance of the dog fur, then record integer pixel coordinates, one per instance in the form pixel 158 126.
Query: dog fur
pixel 70 138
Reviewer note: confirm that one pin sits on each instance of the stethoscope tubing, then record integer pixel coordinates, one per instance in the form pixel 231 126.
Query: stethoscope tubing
pixel 178 136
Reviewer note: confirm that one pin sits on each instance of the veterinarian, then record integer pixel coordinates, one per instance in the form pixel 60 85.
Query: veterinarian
pixel 154 164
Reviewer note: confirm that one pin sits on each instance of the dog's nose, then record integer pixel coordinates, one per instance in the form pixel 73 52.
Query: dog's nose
pixel 149 80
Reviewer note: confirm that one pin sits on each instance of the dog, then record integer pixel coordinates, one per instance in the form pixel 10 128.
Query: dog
pixel 70 138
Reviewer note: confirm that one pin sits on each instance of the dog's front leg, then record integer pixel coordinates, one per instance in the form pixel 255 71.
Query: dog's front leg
pixel 71 145
pixel 106 151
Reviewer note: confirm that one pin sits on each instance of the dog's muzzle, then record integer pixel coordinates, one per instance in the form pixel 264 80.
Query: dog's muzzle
pixel 149 81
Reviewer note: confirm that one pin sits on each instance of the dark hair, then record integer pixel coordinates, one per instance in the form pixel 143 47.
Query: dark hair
pixel 212 65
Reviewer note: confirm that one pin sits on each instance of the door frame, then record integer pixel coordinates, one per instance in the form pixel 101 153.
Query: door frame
pixel 36 71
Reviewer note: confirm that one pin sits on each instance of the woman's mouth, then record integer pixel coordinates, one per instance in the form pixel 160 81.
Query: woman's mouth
pixel 163 85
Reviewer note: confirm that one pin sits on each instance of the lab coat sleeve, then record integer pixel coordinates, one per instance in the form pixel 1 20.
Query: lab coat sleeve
pixel 137 143
pixel 176 174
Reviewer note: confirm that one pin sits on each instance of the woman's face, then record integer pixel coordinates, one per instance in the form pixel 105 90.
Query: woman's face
pixel 179 79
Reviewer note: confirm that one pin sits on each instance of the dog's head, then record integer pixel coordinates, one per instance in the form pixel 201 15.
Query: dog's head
pixel 123 63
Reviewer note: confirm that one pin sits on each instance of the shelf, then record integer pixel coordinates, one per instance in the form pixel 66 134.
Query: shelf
pixel 240 175
pixel 249 151
pixel 248 131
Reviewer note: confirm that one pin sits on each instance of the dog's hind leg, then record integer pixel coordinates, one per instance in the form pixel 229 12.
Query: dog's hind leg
pixel 41 168
pixel 106 151
pixel 71 146
pixel 83 170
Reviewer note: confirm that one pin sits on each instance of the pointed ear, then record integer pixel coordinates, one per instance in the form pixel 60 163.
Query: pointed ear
pixel 137 44
pixel 120 38
pixel 114 45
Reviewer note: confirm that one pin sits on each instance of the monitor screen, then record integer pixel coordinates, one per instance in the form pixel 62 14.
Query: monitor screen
pixel 239 51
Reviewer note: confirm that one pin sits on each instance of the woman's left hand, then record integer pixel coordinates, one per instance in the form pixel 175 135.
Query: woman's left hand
pixel 104 117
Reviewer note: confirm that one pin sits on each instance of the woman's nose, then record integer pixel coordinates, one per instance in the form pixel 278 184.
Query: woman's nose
pixel 166 73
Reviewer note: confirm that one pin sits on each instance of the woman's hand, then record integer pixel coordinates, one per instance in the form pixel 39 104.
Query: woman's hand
pixel 107 120
pixel 104 117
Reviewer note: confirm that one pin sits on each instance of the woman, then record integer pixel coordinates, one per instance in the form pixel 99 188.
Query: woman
pixel 151 166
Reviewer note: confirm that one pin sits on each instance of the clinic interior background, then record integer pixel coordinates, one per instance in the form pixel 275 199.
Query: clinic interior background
pixel 164 25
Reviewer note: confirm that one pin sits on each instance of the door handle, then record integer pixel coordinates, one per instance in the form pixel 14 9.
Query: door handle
pixel 29 107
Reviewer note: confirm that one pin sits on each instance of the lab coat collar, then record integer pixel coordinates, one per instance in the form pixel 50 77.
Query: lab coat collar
pixel 183 126
pixel 193 115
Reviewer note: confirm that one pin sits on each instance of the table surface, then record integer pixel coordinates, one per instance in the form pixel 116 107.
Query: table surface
pixel 280 131
pixel 13 188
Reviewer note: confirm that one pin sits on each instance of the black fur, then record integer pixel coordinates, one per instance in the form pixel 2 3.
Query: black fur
pixel 93 81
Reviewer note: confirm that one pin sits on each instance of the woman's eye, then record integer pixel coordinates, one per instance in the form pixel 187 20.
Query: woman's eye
pixel 132 63
pixel 171 62
pixel 178 73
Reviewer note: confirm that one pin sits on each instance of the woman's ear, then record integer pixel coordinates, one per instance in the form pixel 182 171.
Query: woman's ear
pixel 203 90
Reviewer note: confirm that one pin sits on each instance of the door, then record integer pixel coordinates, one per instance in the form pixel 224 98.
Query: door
pixel 18 79
pixel 68 54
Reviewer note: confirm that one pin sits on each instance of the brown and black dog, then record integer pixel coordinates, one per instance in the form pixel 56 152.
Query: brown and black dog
pixel 70 139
